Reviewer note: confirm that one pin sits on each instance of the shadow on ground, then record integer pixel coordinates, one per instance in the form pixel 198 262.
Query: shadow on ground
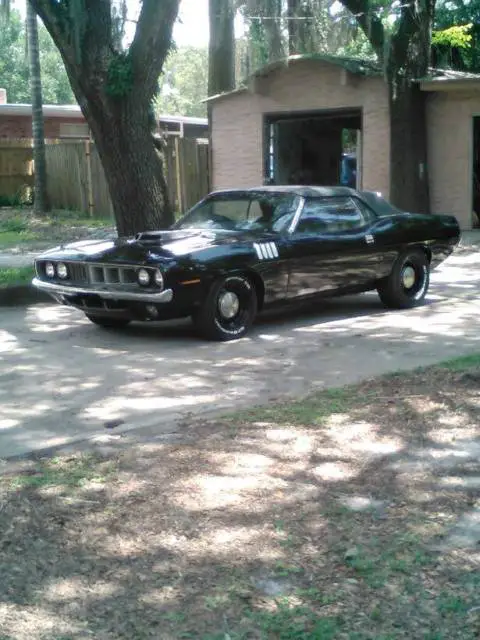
pixel 336 517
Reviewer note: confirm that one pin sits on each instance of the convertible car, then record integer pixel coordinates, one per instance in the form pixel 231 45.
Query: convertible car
pixel 239 252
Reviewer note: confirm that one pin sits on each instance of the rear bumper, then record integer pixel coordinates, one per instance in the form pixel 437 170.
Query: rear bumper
pixel 58 290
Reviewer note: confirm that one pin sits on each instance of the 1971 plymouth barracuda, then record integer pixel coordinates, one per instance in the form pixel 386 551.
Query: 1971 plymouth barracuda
pixel 239 252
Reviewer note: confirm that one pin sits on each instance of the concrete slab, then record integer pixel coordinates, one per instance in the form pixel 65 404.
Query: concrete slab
pixel 63 380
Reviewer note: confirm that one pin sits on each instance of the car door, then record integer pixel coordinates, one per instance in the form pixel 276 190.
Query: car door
pixel 331 247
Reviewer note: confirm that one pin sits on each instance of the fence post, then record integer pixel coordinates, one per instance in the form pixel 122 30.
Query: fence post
pixel 88 156
pixel 178 175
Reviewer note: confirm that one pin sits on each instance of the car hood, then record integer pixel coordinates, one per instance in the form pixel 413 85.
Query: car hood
pixel 153 245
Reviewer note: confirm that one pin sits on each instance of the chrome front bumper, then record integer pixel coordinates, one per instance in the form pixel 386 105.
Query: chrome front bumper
pixel 106 294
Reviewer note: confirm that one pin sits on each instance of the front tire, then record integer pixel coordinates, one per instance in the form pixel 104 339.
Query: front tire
pixel 108 323
pixel 229 309
pixel 407 285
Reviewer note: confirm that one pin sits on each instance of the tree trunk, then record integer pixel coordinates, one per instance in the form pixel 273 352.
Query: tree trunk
pixel 221 72
pixel 115 89
pixel 293 26
pixel 40 200
pixel 301 28
pixel 409 189
pixel 408 60
pixel 133 168
pixel 221 56
pixel 405 55
pixel 265 17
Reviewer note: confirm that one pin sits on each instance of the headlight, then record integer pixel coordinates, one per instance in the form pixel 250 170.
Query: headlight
pixel 143 277
pixel 62 270
pixel 159 279
pixel 50 270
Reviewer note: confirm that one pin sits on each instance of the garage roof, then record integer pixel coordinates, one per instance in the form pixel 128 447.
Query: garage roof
pixel 436 80
pixel 356 66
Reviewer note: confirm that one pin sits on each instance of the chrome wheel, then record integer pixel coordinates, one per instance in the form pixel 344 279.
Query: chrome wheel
pixel 407 284
pixel 229 310
pixel 408 277
pixel 228 304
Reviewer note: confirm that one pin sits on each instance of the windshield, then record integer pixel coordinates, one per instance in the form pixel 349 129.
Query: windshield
pixel 262 211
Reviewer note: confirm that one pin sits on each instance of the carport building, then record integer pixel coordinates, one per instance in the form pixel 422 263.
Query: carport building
pixel 294 121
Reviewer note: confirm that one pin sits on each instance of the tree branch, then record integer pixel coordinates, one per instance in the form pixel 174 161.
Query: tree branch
pixel 65 32
pixel 406 28
pixel 81 30
pixel 153 37
pixel 55 18
pixel 413 29
pixel 370 24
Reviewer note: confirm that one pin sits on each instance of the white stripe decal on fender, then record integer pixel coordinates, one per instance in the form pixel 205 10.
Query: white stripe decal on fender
pixel 264 251
pixel 257 249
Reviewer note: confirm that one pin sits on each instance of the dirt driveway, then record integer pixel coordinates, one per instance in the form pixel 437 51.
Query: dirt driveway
pixel 63 380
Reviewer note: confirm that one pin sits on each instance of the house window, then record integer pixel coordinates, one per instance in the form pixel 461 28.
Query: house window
pixel 74 130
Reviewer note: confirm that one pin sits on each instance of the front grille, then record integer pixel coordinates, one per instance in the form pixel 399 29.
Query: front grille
pixel 78 272
pixel 99 274
pixel 86 273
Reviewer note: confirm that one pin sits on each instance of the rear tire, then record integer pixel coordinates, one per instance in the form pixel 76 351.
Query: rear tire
pixel 108 323
pixel 407 285
pixel 229 309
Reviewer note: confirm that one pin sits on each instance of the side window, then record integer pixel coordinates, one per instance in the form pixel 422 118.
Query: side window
pixel 254 210
pixel 330 215
pixel 273 212
pixel 235 210
pixel 367 213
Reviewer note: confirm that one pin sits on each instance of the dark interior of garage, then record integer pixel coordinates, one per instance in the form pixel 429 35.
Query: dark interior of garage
pixel 476 173
pixel 316 148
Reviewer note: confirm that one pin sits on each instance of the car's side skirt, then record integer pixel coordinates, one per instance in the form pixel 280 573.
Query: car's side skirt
pixel 333 293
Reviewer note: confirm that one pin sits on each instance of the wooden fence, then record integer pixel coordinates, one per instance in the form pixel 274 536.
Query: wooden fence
pixel 76 179
pixel 187 172
pixel 16 171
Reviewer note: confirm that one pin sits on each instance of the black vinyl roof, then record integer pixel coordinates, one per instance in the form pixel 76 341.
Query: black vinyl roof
pixel 373 199
pixel 297 190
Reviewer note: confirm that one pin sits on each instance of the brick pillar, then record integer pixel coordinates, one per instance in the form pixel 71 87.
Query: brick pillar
pixel 3 96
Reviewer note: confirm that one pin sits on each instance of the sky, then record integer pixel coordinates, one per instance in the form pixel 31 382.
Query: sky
pixel 191 28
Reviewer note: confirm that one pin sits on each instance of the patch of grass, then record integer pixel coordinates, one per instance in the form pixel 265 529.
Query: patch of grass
pixel 19 227
pixel 80 219
pixel 10 239
pixel 284 570
pixel 13 225
pixel 16 276
pixel 460 364
pixel 73 472
pixel 174 617
pixel 310 411
pixel 294 623
pixel 451 604
pixel 377 563
pixel 314 595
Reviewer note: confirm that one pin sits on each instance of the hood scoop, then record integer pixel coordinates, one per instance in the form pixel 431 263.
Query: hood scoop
pixel 163 237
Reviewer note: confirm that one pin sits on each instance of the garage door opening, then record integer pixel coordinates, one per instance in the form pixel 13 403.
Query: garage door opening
pixel 476 173
pixel 319 148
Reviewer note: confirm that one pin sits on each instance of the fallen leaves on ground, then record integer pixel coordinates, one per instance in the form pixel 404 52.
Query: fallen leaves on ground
pixel 336 517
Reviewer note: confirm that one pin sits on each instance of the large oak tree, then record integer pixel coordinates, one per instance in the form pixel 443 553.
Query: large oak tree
pixel 115 88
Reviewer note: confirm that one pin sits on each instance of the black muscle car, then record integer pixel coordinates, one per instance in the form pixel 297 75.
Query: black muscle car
pixel 238 252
